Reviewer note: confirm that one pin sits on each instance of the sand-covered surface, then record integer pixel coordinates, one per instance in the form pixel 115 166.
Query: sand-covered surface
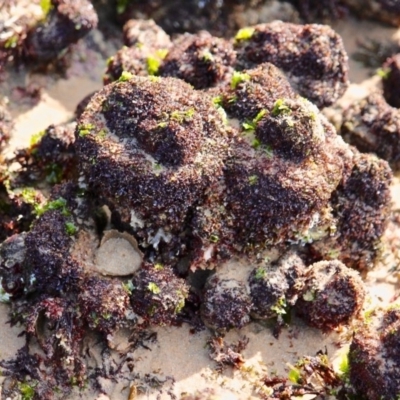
pixel 176 359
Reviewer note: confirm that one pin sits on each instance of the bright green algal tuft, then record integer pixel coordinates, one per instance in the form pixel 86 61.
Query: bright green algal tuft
pixel 125 76
pixel 181 116
pixel 27 390
pixel 252 125
pixel 153 288
pixel 239 77
pixel 207 56
pixel 294 375
pixel 46 6
pixel 280 108
pixel 36 138
pixel 279 307
pixel 260 273
pixel 253 179
pixel 85 129
pixel 214 238
pixel 244 34
pixel 383 72
pixel 153 65
pixel 162 53
pixel 58 204
pixel 70 228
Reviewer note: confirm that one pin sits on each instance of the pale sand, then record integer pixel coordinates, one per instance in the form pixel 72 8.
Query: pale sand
pixel 178 353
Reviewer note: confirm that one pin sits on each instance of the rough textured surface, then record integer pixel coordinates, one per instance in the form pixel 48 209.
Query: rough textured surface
pixel 158 296
pixel 6 125
pixel 226 304
pixel 149 148
pixel 332 295
pixel 50 157
pixel 66 23
pixel 312 56
pixel 373 126
pixel 391 80
pixel 202 60
pixel 360 210
pixel 274 287
pixel 374 356
pixel 139 32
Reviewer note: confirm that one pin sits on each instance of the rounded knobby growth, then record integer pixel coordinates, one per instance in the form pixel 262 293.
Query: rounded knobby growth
pixel 275 287
pixel 374 127
pixel 391 80
pixel 149 147
pixel 202 60
pixel 158 295
pixel 282 169
pixel 272 199
pixel 6 125
pixel 374 356
pixel 360 209
pixel 253 90
pixel 104 304
pixel 67 22
pixel 139 32
pixel 128 60
pixel 292 128
pixel 312 56
pixel 226 303
pixel 332 295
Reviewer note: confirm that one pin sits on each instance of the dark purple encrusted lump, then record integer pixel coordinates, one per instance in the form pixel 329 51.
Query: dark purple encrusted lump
pixel 202 60
pixel 391 80
pixel 139 32
pixel 275 287
pixel 146 46
pixel 57 294
pixel 374 356
pixel 128 60
pixel 66 23
pixel 373 126
pixel 149 148
pixel 312 56
pixel 50 157
pixel 158 295
pixel 104 304
pixel 315 10
pixel 272 188
pixel 282 171
pixel 226 303
pixel 332 295
pixel 360 209
pixel 6 125
pixel 253 90
pixel 387 11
